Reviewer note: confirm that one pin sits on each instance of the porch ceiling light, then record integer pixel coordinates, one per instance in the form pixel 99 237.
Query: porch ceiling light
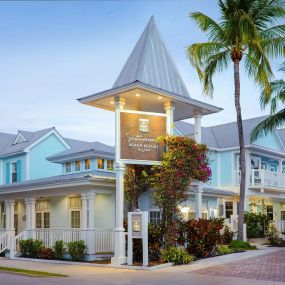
pixel 138 95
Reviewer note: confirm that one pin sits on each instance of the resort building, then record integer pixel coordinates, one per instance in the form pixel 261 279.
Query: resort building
pixel 55 188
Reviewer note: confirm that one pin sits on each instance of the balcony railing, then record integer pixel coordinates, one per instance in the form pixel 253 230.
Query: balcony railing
pixel 263 178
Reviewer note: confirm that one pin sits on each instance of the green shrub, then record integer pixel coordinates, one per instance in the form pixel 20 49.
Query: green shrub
pixel 224 249
pixel 273 235
pixel 227 235
pixel 46 253
pixel 59 249
pixel 30 247
pixel 154 241
pixel 256 224
pixel 203 236
pixel 77 250
pixel 177 256
pixel 241 245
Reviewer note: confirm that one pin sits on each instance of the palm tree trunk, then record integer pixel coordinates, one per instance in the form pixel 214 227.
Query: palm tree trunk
pixel 242 152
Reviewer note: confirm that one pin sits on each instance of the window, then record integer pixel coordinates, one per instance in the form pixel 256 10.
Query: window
pixel 77 165
pixel 282 215
pixel 110 165
pixel 75 219
pixel 205 216
pixel 38 220
pixel 46 220
pixel 154 217
pixel 273 167
pixel 191 215
pixel 14 171
pixel 87 164
pixel 41 205
pixel 75 203
pixel 16 223
pixel 270 213
pixel 100 163
pixel 68 167
pixel 229 209
pixel 255 162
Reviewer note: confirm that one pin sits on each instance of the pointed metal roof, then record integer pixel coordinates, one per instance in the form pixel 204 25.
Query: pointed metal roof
pixel 151 63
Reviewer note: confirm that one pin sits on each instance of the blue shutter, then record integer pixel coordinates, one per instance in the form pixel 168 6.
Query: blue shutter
pixel 19 170
pixel 8 172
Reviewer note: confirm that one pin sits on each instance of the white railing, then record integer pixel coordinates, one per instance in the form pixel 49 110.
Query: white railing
pixel 101 240
pixel 4 241
pixel 265 178
pixel 104 240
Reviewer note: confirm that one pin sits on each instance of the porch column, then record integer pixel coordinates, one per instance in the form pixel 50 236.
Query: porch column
pixel 91 233
pixel 169 108
pixel 198 128
pixel 30 215
pixel 198 200
pixel 280 161
pixel 9 206
pixel 84 210
pixel 119 242
pixel 91 210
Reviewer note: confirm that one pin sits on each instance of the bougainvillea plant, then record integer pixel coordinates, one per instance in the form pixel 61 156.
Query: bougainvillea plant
pixel 184 161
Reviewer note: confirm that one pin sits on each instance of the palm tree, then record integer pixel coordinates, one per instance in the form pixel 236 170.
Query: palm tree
pixel 245 33
pixel 276 118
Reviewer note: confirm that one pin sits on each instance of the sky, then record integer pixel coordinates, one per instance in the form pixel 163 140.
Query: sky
pixel 53 52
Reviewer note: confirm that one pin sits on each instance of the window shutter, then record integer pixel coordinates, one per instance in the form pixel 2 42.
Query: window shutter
pixel 19 170
pixel 221 210
pixel 8 172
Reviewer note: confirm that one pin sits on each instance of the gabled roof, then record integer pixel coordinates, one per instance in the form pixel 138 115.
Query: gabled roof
pixel 151 63
pixel 225 135
pixel 81 150
pixel 31 138
pixel 19 138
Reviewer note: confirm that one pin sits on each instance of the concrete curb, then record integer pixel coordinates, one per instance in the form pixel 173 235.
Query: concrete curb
pixel 151 268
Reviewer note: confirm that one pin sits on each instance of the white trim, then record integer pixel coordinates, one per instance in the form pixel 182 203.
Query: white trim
pixel 19 136
pixel 218 155
pixel 53 131
pixel 142 113
pixel 27 167
pixel 135 161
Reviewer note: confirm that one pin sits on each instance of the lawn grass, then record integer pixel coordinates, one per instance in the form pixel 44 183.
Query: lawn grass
pixel 31 272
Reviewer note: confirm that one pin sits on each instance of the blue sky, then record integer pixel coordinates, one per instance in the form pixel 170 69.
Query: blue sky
pixel 56 51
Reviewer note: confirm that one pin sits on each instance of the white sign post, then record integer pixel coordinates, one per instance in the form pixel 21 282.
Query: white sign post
pixel 138 228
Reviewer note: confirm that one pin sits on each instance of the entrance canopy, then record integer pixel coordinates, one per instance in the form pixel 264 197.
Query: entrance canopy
pixel 148 80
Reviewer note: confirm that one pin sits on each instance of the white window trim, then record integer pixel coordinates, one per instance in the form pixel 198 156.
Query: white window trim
pixel 11 162
pixel 69 218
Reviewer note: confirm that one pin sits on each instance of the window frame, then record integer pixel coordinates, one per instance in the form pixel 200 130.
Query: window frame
pixel 103 163
pixel 154 220
pixel 110 168
pixel 68 169
pixel 226 210
pixel 11 171
pixel 76 163
pixel 88 161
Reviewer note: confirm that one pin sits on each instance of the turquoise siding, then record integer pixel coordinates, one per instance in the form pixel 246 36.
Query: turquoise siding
pixel 226 167
pixel 214 167
pixel 269 141
pixel 39 166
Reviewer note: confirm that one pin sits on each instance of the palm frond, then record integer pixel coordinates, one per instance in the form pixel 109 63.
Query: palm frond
pixel 207 24
pixel 268 125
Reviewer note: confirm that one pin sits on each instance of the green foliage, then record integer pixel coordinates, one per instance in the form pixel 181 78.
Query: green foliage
pixel 46 253
pixel 241 245
pixel 224 249
pixel 154 241
pixel 176 255
pixel 77 250
pixel 246 32
pixel 273 235
pixel 256 224
pixel 184 160
pixel 59 249
pixel 203 236
pixel 136 182
pixel 227 235
pixel 30 247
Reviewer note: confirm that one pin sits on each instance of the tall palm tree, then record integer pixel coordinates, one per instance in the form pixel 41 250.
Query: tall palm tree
pixel 277 117
pixel 245 33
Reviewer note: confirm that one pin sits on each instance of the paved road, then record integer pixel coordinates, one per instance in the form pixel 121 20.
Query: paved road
pixel 265 269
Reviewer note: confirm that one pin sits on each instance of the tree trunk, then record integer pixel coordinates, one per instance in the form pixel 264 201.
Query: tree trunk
pixel 242 152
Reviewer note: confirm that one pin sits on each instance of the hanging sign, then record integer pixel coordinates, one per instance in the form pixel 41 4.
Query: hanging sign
pixel 138 136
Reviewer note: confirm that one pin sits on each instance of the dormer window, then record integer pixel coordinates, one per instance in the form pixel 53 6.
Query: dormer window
pixel 68 167
pixel 77 165
pixel 19 138
pixel 100 163
pixel 87 164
